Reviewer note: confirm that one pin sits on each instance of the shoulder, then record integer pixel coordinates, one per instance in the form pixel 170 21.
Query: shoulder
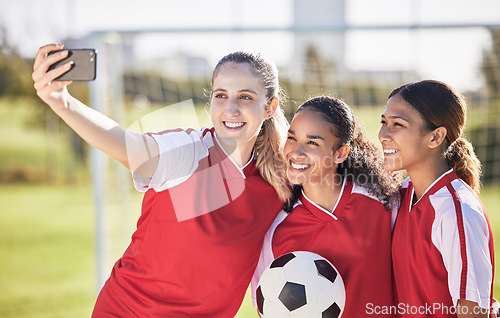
pixel 406 183
pixel 456 202
pixel 180 152
pixel 365 201
pixel 183 137
pixel 194 134
pixel 361 195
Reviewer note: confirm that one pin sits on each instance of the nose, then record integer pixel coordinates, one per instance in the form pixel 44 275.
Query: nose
pixel 232 108
pixel 294 150
pixel 384 134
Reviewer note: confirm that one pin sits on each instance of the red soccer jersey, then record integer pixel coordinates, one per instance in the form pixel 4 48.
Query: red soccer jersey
pixel 355 238
pixel 199 236
pixel 442 250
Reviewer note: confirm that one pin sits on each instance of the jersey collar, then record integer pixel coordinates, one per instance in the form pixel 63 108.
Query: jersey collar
pixel 435 186
pixel 246 169
pixel 338 209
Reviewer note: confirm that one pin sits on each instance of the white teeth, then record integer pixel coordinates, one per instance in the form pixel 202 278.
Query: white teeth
pixel 390 151
pixel 297 166
pixel 233 125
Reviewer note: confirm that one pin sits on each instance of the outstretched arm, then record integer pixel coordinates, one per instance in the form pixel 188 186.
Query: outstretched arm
pixel 138 152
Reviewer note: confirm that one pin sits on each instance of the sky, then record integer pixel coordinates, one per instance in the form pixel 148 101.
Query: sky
pixel 446 54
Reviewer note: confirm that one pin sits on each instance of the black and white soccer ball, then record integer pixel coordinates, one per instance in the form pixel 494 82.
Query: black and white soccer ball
pixel 300 284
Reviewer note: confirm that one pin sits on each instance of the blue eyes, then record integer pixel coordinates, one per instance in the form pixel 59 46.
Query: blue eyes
pixel 244 97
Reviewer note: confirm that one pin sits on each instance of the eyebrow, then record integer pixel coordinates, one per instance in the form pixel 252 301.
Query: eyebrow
pixel 308 136
pixel 246 90
pixel 396 117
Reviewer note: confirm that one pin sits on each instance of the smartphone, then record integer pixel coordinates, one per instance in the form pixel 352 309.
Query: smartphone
pixel 84 65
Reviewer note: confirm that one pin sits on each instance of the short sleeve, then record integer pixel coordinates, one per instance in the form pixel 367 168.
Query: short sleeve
pixel 461 234
pixel 180 152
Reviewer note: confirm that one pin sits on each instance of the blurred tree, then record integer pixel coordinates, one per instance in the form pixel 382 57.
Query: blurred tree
pixel 486 137
pixel 16 84
pixel 318 70
pixel 491 64
pixel 15 72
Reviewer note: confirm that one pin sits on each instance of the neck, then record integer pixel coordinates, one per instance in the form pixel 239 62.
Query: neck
pixel 324 194
pixel 240 153
pixel 426 174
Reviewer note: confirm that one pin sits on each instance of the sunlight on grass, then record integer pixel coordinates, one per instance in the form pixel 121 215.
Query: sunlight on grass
pixel 47 238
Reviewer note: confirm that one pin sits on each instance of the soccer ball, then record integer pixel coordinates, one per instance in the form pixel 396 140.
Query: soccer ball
pixel 300 284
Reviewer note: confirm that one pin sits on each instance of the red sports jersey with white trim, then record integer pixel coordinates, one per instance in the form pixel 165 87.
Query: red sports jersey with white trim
pixel 199 236
pixel 355 238
pixel 442 249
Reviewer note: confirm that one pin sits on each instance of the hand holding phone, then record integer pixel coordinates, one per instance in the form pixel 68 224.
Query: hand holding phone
pixel 83 67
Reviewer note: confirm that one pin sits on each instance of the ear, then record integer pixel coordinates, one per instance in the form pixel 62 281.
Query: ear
pixel 271 108
pixel 437 137
pixel 340 155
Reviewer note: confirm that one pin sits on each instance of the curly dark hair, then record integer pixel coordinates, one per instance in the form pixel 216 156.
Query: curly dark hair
pixel 364 164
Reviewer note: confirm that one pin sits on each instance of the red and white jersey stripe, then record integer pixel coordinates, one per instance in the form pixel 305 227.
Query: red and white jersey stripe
pixel 355 237
pixel 442 247
pixel 199 236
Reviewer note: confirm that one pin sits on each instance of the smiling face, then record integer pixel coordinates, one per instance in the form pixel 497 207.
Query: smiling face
pixel 310 150
pixel 238 105
pixel 403 137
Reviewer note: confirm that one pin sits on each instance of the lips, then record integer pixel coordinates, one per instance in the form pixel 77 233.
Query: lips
pixel 298 166
pixel 233 125
pixel 390 151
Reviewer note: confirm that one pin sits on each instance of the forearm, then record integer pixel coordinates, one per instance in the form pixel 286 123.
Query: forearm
pixel 97 129
pixel 136 151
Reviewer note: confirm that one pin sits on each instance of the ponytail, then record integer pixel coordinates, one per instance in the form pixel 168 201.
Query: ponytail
pixel 462 158
pixel 269 153
pixel 439 105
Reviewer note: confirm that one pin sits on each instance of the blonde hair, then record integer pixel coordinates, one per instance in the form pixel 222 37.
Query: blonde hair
pixel 271 139
pixel 269 151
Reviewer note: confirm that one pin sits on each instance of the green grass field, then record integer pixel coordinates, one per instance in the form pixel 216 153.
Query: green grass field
pixel 47 246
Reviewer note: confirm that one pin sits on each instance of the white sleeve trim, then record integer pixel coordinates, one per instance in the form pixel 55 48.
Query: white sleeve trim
pixel 445 236
pixel 266 255
pixel 179 155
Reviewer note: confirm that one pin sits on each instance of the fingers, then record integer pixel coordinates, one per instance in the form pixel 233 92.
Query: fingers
pixel 44 79
pixel 43 63
pixel 43 60
pixel 44 51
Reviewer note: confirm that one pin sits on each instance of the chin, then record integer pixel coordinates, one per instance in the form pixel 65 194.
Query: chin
pixel 296 180
pixel 390 166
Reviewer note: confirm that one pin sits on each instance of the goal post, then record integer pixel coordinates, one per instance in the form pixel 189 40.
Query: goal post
pixel 144 71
